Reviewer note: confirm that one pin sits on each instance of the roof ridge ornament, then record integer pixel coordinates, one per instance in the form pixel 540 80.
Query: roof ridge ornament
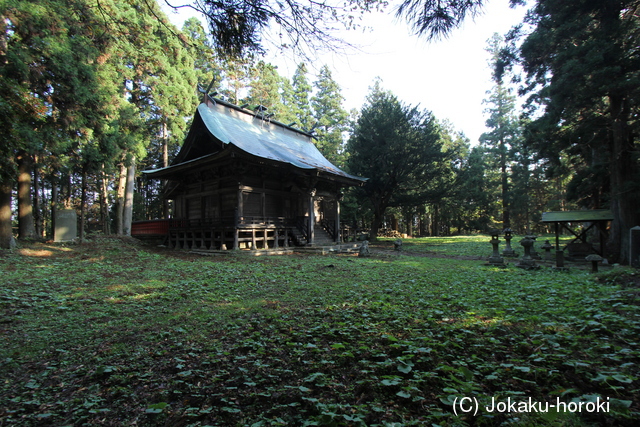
pixel 206 92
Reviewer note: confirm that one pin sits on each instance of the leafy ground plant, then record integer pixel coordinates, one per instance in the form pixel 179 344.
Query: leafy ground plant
pixel 115 333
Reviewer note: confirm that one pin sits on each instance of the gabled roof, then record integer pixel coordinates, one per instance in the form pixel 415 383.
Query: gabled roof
pixel 232 127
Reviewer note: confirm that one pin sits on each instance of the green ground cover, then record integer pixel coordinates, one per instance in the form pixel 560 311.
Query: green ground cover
pixel 471 246
pixel 114 333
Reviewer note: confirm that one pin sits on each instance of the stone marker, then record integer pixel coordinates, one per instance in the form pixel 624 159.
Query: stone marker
pixel 397 245
pixel 364 249
pixel 594 259
pixel 560 261
pixel 66 225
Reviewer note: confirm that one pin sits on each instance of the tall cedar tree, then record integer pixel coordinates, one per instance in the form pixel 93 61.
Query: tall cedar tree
pixel 476 191
pixel 266 89
pixel 503 122
pixel 48 95
pixel 85 85
pixel 301 94
pixel 583 72
pixel 207 65
pixel 398 148
pixel 330 117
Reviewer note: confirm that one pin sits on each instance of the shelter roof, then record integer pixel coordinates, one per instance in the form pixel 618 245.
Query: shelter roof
pixel 246 132
pixel 578 216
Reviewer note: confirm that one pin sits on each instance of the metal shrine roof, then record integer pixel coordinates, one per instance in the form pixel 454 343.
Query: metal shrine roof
pixel 578 216
pixel 255 135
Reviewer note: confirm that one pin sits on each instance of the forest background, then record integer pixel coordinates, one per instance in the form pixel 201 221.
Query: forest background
pixel 93 92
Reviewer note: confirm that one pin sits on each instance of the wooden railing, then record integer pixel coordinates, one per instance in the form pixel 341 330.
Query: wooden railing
pixel 302 224
pixel 330 227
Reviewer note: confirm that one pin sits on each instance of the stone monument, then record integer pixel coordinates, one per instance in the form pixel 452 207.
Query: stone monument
pixel 66 225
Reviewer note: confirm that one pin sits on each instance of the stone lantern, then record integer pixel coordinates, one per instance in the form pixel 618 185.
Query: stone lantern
pixel 547 250
pixel 533 252
pixel 527 262
pixel 594 259
pixel 495 259
pixel 508 250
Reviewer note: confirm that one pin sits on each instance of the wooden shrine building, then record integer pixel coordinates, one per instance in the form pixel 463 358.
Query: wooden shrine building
pixel 243 181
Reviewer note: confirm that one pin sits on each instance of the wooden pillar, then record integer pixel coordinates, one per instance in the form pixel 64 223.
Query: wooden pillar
pixel 235 225
pixel 240 208
pixel 338 236
pixel 312 218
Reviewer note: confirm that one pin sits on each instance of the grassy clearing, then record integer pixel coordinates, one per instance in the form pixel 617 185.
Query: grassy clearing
pixel 475 246
pixel 113 333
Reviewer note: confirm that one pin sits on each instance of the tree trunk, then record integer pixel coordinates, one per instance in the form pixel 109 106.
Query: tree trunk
pixel 65 190
pixel 435 221
pixel 165 163
pixel 394 223
pixel 104 204
pixel 83 202
pixel 26 229
pixel 375 226
pixel 46 220
pixel 6 234
pixel 506 217
pixel 625 200
pixel 122 181
pixel 378 215
pixel 54 205
pixel 3 40
pixel 127 217
pixel 37 211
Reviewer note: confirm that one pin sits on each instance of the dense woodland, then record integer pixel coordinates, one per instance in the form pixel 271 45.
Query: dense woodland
pixel 92 92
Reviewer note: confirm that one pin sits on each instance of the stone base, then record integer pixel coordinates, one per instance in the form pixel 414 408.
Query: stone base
pixel 528 264
pixel 496 262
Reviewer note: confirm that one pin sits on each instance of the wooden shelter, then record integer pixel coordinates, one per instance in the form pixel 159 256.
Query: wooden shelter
pixel 598 219
pixel 244 181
